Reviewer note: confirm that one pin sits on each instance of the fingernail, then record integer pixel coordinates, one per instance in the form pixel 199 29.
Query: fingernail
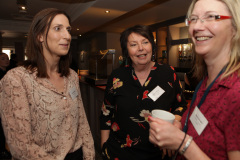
pixel 149 118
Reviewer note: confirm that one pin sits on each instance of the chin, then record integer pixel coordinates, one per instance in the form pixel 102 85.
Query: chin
pixel 64 53
pixel 201 51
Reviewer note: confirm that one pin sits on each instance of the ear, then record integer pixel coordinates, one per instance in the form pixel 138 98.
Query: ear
pixel 40 38
pixel 234 31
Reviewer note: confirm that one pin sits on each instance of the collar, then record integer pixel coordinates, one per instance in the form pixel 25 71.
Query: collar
pixel 227 82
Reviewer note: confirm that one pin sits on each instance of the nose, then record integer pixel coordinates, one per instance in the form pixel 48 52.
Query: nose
pixel 199 24
pixel 140 47
pixel 66 34
pixel 201 20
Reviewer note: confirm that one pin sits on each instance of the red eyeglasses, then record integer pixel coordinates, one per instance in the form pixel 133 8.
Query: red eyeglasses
pixel 209 17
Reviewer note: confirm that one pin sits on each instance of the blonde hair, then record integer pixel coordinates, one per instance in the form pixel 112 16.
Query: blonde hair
pixel 200 68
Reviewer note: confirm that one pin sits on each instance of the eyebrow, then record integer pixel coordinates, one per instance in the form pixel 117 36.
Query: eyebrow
pixel 204 13
pixel 59 25
pixel 141 40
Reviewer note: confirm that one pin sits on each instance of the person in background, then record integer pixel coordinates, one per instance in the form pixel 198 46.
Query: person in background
pixel 41 107
pixel 127 102
pixel 4 63
pixel 211 124
pixel 190 81
pixel 13 60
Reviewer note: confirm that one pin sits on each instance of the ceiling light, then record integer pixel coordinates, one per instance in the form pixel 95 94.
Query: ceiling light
pixel 22 9
pixel 80 35
pixel 107 11
pixel 22 6
pixel 77 29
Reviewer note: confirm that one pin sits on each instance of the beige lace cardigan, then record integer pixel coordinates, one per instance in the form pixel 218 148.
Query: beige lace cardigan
pixel 39 122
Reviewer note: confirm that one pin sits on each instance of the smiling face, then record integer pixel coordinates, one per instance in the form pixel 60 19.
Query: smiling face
pixel 58 37
pixel 211 38
pixel 139 49
pixel 4 60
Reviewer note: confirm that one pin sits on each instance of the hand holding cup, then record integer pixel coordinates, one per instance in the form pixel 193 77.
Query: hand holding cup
pixel 164 115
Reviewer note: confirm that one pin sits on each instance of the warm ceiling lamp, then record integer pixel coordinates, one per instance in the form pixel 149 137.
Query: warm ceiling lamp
pixel 22 6
pixel 107 11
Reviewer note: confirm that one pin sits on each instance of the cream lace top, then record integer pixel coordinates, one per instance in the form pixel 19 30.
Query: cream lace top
pixel 39 122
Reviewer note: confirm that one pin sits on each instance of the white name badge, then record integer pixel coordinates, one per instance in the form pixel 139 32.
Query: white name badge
pixel 198 120
pixel 73 93
pixel 156 93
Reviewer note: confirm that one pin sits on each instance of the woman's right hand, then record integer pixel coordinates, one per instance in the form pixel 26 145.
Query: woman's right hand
pixel 170 153
pixel 104 136
pixel 164 134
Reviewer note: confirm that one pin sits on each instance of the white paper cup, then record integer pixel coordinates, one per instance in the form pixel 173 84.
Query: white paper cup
pixel 164 115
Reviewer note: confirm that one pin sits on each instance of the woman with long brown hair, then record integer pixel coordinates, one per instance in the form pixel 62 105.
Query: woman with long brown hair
pixel 41 107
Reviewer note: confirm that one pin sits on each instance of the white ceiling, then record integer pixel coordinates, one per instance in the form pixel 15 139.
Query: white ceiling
pixel 91 16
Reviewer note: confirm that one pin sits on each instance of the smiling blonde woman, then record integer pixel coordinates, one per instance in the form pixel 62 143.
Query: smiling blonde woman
pixel 211 124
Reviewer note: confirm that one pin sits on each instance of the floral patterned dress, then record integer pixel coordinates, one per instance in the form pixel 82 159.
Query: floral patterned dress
pixel 127 106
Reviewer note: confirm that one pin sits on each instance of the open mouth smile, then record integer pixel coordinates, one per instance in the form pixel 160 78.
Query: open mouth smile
pixel 142 55
pixel 202 38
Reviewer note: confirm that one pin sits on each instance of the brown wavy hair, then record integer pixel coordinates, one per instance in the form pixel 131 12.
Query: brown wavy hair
pixel 142 30
pixel 34 51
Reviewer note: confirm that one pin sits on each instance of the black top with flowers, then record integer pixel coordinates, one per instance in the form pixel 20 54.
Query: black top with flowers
pixel 127 106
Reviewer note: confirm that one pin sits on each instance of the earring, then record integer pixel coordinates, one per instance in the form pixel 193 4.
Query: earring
pixel 153 57
pixel 126 62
